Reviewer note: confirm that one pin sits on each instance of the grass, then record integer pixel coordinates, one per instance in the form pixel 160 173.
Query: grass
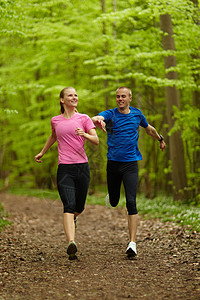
pixel 3 218
pixel 165 209
pixel 160 207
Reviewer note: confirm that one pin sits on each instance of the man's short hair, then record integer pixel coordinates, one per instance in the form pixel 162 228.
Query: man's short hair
pixel 124 87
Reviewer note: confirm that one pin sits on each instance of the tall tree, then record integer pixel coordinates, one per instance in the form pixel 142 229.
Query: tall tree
pixel 172 98
pixel 196 103
pixel 103 7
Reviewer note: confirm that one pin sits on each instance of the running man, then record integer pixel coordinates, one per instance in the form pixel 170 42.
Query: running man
pixel 122 126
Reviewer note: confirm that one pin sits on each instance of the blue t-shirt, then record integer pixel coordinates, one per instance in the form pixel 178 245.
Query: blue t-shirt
pixel 123 134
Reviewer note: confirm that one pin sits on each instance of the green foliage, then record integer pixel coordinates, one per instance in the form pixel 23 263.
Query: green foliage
pixel 161 207
pixel 47 45
pixel 166 209
pixel 3 218
pixel 187 121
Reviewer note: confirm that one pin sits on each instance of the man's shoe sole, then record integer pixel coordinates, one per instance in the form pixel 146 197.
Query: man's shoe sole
pixel 131 253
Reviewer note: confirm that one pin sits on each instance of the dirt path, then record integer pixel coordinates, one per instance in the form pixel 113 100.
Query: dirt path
pixel 34 264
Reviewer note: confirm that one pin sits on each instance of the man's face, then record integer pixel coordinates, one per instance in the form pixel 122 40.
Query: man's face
pixel 123 98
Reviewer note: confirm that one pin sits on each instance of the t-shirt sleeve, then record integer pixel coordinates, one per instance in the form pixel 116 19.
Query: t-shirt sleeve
pixel 107 114
pixel 143 121
pixel 88 124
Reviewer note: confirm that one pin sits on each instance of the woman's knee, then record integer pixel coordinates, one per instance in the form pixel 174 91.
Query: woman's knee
pixel 131 208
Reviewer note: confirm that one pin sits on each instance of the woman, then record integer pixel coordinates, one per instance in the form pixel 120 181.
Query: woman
pixel 70 129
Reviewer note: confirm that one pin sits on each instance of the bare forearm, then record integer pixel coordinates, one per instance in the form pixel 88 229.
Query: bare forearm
pixel 91 136
pixel 93 139
pixel 150 130
pixel 51 140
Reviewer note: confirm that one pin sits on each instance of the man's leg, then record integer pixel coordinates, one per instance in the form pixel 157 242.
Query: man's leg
pixel 132 226
pixel 114 180
pixel 130 180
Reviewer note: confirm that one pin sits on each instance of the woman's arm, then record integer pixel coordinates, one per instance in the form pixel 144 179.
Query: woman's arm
pixel 51 140
pixel 91 136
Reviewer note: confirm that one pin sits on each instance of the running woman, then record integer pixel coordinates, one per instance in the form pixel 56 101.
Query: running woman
pixel 70 129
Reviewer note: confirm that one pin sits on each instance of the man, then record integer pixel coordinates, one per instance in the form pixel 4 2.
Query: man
pixel 122 124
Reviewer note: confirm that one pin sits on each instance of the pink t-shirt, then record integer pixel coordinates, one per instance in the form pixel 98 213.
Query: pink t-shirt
pixel 71 146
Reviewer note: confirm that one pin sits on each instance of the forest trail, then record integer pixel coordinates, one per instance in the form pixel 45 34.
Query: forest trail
pixel 34 264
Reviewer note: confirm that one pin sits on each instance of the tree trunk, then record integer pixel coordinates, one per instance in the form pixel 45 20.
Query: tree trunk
pixel 196 103
pixel 172 98
pixel 106 53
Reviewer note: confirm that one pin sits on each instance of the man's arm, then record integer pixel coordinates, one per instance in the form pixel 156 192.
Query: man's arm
pixel 150 130
pixel 99 121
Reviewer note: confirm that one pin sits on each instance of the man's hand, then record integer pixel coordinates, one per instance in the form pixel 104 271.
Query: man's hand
pixel 99 122
pixel 162 145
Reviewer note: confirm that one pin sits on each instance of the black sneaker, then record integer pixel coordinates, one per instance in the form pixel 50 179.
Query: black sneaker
pixel 71 250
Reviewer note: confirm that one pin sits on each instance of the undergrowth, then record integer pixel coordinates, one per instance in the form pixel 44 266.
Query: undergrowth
pixel 160 207
pixel 3 218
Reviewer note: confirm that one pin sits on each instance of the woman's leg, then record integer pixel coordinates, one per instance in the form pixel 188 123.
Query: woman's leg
pixel 81 185
pixel 66 189
pixel 69 226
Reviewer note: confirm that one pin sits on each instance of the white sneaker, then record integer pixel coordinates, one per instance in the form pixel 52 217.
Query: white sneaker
pixel 131 249
pixel 107 201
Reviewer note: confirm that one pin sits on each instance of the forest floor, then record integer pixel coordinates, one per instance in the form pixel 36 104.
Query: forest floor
pixel 34 263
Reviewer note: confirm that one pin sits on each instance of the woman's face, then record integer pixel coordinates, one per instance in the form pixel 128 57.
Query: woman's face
pixel 70 98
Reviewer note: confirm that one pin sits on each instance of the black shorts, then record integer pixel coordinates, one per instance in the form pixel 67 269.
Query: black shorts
pixel 73 182
pixel 128 173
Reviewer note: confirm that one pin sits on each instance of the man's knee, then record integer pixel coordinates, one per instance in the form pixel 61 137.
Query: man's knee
pixel 113 201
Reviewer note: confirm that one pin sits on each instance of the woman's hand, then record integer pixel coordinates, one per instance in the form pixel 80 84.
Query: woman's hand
pixel 80 132
pixel 91 136
pixel 38 156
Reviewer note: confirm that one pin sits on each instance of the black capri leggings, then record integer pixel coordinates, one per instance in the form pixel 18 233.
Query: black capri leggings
pixel 128 173
pixel 73 182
